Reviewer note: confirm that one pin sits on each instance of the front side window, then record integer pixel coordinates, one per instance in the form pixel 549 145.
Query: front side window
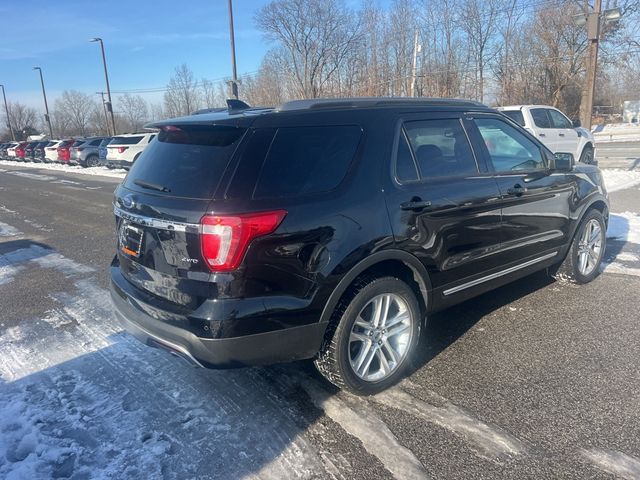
pixel 509 149
pixel 440 148
pixel 540 117
pixel 558 120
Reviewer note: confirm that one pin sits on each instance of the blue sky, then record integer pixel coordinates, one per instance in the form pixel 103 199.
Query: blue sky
pixel 144 41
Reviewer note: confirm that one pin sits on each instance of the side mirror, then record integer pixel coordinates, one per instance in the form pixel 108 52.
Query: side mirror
pixel 564 162
pixel 577 123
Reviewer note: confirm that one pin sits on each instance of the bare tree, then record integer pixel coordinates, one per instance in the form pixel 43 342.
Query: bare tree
pixel 316 36
pixel 182 96
pixel 24 119
pixel 134 110
pixel 76 108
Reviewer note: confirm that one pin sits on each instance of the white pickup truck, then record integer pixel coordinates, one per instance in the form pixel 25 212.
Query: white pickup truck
pixel 555 130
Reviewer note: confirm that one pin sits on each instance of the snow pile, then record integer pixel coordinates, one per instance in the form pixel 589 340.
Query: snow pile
pixel 624 227
pixel 8 230
pixel 616 180
pixel 101 171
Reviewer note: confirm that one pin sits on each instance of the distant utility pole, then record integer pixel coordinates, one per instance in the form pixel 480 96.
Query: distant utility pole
pixel 416 49
pixel 593 21
pixel 6 109
pixel 234 80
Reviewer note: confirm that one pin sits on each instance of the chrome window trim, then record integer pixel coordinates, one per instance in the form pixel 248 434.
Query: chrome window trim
pixel 501 273
pixel 156 222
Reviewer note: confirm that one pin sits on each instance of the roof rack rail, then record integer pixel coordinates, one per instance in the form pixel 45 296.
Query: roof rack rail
pixel 318 103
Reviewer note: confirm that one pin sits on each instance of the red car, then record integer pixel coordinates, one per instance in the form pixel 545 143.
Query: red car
pixel 20 151
pixel 64 150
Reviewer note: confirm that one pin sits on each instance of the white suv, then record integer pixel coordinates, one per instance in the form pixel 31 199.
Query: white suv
pixel 555 130
pixel 125 149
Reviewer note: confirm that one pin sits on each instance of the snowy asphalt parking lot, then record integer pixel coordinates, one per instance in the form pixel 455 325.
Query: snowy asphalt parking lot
pixel 538 379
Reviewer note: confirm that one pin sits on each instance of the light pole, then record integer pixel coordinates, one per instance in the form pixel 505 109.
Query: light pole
pixel 234 80
pixel 106 77
pixel 46 106
pixel 6 109
pixel 104 107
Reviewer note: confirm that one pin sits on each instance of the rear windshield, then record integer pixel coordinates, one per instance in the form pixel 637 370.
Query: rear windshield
pixel 126 140
pixel 515 115
pixel 77 143
pixel 185 161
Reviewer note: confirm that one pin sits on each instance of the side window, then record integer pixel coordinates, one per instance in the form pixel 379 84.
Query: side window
pixel 515 115
pixel 540 117
pixel 406 170
pixel 307 160
pixel 558 120
pixel 509 149
pixel 441 148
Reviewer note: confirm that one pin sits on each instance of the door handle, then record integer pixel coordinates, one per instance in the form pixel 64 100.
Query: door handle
pixel 516 190
pixel 561 134
pixel 542 135
pixel 415 204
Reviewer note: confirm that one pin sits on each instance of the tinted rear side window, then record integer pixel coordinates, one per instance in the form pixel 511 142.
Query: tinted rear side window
pixel 188 160
pixel 77 143
pixel 540 117
pixel 126 140
pixel 307 160
pixel 515 115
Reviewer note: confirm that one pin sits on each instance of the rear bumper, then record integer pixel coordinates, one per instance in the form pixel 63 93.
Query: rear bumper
pixel 119 163
pixel 282 345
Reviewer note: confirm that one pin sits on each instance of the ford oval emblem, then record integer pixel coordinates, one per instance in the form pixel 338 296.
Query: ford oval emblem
pixel 127 201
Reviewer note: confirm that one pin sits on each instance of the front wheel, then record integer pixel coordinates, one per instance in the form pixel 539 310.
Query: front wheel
pixel 587 155
pixel 584 258
pixel 371 337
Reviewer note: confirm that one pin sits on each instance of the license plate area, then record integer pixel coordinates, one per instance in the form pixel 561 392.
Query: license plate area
pixel 130 239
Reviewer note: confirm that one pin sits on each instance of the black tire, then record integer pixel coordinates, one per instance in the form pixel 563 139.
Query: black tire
pixel 569 269
pixel 91 161
pixel 587 155
pixel 333 360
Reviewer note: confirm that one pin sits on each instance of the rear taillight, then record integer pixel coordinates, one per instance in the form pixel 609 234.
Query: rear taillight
pixel 122 149
pixel 225 239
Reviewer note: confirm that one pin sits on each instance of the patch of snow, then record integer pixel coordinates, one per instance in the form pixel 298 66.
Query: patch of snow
pixel 615 179
pixel 489 442
pixel 8 231
pixel 624 227
pixel 619 268
pixel 101 171
pixel 361 422
pixel 45 258
pixel 615 463
pixel 8 272
pixel 33 176
pixel 627 257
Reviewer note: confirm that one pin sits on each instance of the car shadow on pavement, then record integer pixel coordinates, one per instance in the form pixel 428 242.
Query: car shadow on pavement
pixel 445 327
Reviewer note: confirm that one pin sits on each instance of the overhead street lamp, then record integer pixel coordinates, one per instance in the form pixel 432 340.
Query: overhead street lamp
pixel 106 77
pixel 6 109
pixel 46 107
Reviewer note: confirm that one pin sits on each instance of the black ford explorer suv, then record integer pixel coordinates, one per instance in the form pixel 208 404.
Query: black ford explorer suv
pixel 331 229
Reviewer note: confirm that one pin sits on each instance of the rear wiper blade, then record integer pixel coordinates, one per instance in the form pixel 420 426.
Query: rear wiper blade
pixel 152 186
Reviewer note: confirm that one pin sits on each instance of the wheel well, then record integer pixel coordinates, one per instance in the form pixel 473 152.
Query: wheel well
pixel 602 208
pixel 404 272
